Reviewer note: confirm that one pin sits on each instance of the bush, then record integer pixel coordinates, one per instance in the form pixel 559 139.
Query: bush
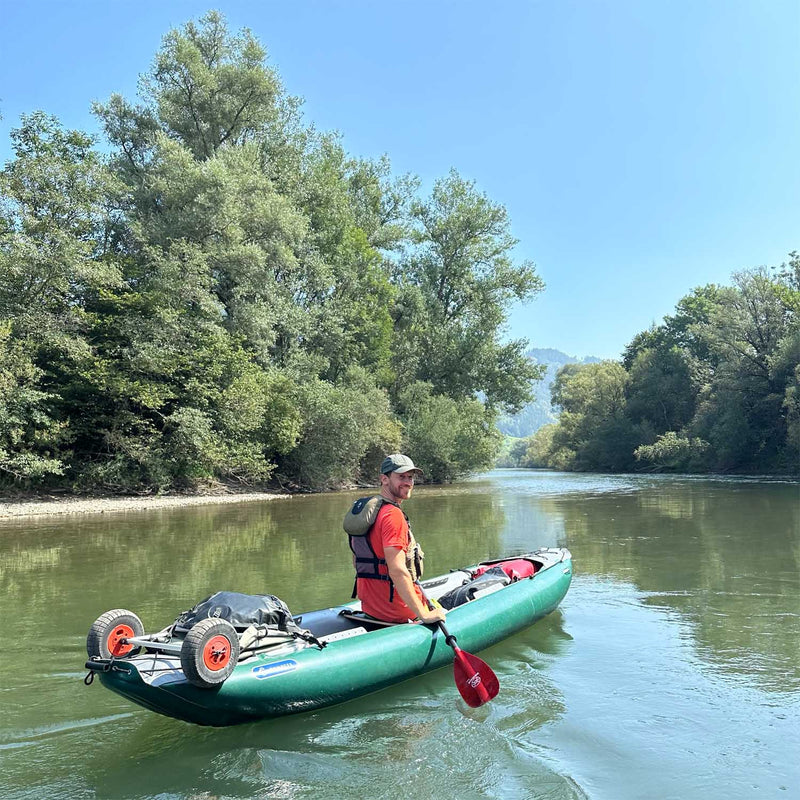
pixel 344 428
pixel 673 452
pixel 445 437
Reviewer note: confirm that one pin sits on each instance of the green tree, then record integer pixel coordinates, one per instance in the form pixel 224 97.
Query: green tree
pixel 56 258
pixel 349 219
pixel 785 362
pixel 30 436
pixel 256 220
pixel 53 233
pixel 593 423
pixel 231 295
pixel 346 430
pixel 681 330
pixel 448 438
pixel 543 451
pixel 210 88
pixel 219 156
pixel 512 452
pixel 661 393
pixel 742 413
pixel 455 287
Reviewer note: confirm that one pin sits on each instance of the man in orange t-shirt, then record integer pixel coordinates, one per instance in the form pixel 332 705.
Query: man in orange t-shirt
pixel 399 599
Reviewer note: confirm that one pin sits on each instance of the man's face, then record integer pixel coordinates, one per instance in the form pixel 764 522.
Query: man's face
pixel 400 484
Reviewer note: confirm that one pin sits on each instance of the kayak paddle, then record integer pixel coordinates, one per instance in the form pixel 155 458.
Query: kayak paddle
pixel 474 678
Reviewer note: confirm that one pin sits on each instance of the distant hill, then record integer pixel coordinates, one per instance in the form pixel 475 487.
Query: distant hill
pixel 539 413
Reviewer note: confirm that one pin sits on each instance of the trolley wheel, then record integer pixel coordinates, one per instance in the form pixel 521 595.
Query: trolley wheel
pixel 109 634
pixel 209 652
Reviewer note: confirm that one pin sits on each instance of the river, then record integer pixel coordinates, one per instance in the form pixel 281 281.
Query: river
pixel 671 669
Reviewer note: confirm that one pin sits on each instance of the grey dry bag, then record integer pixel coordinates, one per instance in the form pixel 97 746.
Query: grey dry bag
pixel 361 517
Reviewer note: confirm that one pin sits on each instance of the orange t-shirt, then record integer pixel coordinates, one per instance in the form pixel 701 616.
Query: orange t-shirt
pixel 390 530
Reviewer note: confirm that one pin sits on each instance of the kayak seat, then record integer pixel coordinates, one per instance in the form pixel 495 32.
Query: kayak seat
pixel 369 622
pixel 328 621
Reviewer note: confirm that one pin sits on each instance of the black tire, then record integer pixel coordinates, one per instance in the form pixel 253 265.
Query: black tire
pixel 210 652
pixel 108 632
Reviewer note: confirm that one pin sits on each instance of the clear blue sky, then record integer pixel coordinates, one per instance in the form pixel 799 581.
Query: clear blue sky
pixel 641 147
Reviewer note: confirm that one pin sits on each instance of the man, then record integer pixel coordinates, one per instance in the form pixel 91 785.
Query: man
pixel 388 559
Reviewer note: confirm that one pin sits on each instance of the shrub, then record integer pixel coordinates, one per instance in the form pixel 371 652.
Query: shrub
pixel 445 437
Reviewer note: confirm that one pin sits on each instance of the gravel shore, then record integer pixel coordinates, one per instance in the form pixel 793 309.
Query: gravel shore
pixel 74 505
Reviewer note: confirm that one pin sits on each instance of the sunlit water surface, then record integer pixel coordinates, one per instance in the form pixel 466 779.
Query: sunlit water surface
pixel 671 670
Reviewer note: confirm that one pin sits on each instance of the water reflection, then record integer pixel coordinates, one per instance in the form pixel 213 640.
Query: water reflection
pixel 728 561
pixel 680 635
pixel 724 552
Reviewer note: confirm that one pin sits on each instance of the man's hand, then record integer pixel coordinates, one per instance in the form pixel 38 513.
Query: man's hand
pixel 433 615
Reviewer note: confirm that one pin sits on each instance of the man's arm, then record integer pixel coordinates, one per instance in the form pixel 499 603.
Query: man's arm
pixel 404 586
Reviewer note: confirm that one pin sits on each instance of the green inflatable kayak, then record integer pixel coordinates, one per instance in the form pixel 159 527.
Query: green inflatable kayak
pixel 223 671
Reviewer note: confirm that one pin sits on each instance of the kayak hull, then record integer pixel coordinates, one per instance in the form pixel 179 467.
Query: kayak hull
pixel 295 678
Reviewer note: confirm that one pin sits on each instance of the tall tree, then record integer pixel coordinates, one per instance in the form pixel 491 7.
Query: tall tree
pixel 661 393
pixel 455 288
pixel 56 258
pixel 450 437
pixel 54 225
pixel 230 292
pixel 30 435
pixel 742 412
pixel 593 424
pixel 211 88
pixel 258 222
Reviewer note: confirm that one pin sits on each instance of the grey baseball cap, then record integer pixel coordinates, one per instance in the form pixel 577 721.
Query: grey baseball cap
pixel 397 462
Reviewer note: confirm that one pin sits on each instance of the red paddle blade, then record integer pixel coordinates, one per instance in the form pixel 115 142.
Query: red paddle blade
pixel 474 679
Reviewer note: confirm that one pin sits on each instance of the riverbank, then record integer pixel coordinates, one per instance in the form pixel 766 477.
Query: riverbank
pixel 50 505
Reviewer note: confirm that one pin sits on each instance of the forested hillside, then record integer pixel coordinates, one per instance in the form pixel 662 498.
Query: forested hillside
pixel 540 411
pixel 232 296
pixel 715 387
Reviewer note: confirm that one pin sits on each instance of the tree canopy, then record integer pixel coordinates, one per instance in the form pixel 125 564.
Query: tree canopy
pixel 219 291
pixel 715 387
pixel 223 292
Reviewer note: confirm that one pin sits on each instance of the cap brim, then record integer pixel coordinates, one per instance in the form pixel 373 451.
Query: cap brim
pixel 403 470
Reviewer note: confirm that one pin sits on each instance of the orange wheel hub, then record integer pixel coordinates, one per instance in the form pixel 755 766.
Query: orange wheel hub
pixel 217 653
pixel 117 640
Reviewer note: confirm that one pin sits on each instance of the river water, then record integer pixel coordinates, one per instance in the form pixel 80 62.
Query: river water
pixel 671 669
